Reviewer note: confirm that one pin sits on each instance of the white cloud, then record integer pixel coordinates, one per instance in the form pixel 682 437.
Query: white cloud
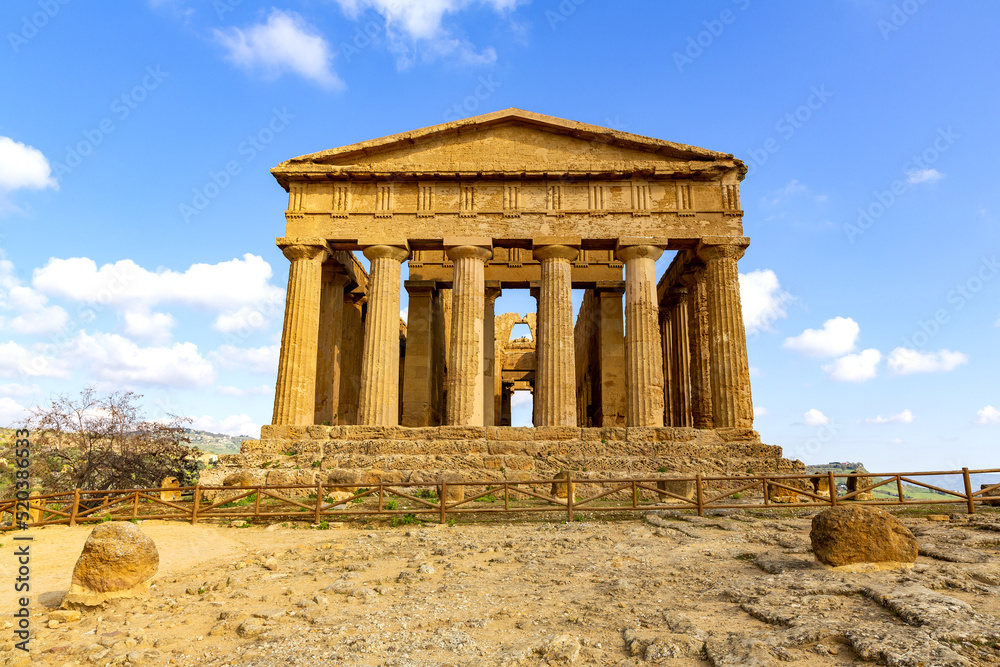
pixel 814 417
pixel 988 415
pixel 260 390
pixel 904 417
pixel 285 43
pixel 895 441
pixel 416 27
pixel 14 389
pixel 149 327
pixel 855 367
pixel 759 412
pixel 236 289
pixel 16 360
pixel 521 398
pixel 116 359
pixel 903 361
pixel 33 316
pixel 262 360
pixel 762 298
pixel 923 176
pixel 241 424
pixel 11 412
pixel 838 336
pixel 23 167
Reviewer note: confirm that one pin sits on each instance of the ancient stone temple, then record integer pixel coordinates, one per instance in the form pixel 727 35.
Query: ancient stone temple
pixel 505 201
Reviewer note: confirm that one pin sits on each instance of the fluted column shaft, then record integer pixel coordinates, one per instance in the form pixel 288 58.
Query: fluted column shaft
pixel 465 354
pixel 295 391
pixel 331 316
pixel 680 359
pixel 643 352
pixel 666 339
pixel 732 404
pixel 611 338
pixel 378 404
pixel 352 341
pixel 701 383
pixel 418 369
pixel 490 380
pixel 555 383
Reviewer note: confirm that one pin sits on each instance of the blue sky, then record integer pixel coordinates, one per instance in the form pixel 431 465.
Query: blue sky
pixel 137 213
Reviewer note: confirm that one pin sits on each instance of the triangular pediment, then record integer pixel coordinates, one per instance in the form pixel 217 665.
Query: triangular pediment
pixel 509 141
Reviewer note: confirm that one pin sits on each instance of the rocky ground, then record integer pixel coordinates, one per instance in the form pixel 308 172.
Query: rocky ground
pixel 733 589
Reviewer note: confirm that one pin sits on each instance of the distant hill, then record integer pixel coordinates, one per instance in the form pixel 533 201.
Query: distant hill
pixel 949 482
pixel 216 443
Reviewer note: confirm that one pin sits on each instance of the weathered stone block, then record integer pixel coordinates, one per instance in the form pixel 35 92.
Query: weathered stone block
pixel 563 489
pixel 419 433
pixel 118 560
pixel 509 433
pixel 450 487
pixel 845 535
pixel 505 447
pixel 463 432
pixel 318 432
pixel 556 433
pixel 249 446
pixel 493 462
pixel 640 434
pixel 990 493
pixel 518 462
pixel 363 432
pixel 685 488
pixel 343 476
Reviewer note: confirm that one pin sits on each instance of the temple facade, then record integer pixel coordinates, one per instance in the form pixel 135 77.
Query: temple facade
pixel 503 201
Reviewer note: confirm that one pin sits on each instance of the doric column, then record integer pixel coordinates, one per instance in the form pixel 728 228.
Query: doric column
pixel 680 358
pixel 418 369
pixel 611 341
pixel 666 344
pixel 378 404
pixel 352 338
pixel 295 392
pixel 465 359
pixel 643 352
pixel 331 316
pixel 732 404
pixel 489 353
pixel 701 383
pixel 506 393
pixel 555 381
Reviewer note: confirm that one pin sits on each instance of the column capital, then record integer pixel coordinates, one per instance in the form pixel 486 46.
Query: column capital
pixel 492 290
pixel 296 248
pixel 472 251
pixel 386 252
pixel 678 294
pixel 555 251
pixel 627 252
pixel 718 247
pixel 420 286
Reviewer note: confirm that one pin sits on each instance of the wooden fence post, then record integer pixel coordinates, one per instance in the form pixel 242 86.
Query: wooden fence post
pixel 197 503
pixel 833 489
pixel 570 493
pixel 968 490
pixel 319 500
pixel 444 496
pixel 701 495
pixel 135 504
pixel 76 507
pixel 899 487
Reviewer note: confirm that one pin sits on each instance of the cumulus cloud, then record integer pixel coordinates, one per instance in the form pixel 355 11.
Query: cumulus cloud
pixel 904 417
pixel 417 27
pixel 855 367
pixel 241 424
pixel 838 336
pixel 988 416
pixel 763 300
pixel 260 390
pixel 520 398
pixel 239 289
pixel 150 327
pixel 23 167
pixel 16 360
pixel 759 411
pixel 11 412
pixel 923 176
pixel 903 361
pixel 262 360
pixel 118 360
pixel 814 417
pixel 286 42
pixel 32 315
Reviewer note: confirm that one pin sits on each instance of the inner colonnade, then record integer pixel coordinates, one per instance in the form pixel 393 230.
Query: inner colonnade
pixel 513 200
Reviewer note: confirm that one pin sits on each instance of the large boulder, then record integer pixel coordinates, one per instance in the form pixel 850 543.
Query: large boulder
pixel 858 534
pixel 118 561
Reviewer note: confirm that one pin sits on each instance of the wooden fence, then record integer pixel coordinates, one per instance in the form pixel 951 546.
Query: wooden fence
pixel 413 500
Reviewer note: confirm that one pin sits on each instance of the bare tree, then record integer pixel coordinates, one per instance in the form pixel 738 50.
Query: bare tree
pixel 102 441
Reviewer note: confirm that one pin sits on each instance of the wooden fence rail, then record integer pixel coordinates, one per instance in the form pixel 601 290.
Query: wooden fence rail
pixel 312 502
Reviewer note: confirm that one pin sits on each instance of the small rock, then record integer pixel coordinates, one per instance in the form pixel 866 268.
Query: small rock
pixel 65 615
pixel 271 564
pixel 938 517
pixel 560 648
pixel 426 568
